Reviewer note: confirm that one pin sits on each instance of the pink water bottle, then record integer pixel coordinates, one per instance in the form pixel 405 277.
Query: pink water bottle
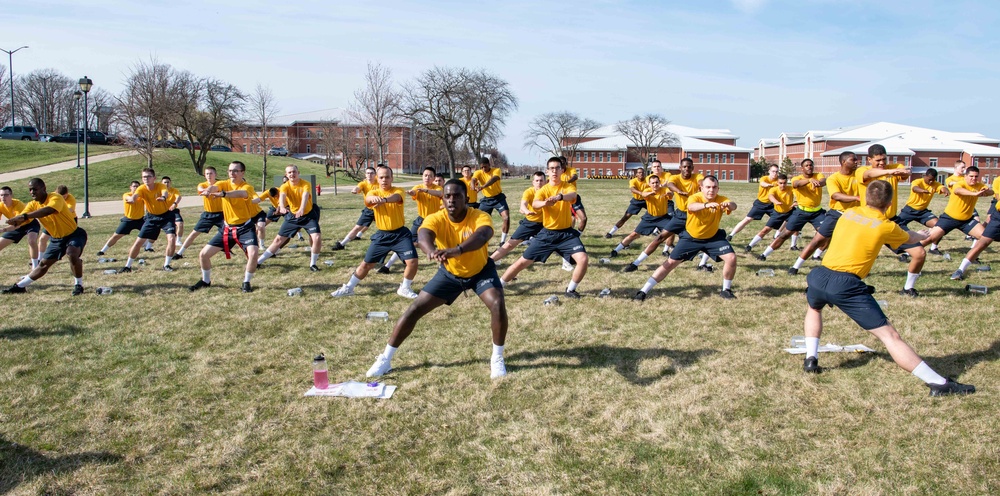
pixel 320 377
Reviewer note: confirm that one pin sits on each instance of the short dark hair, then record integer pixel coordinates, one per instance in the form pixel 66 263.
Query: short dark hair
pixel 539 173
pixel 803 162
pixel 441 175
pixel 655 161
pixel 135 183
pixel 876 150
pixel 687 160
pixel 556 160
pixel 972 169
pixel 243 167
pixel 7 189
pixel 62 189
pixel 166 178
pixel 564 160
pixel 879 194
pixel 458 184
pixel 153 172
pixel 846 155
pixel 210 168
pixel 430 169
pixel 369 168
pixel 783 176
pixel 931 172
pixel 484 161
pixel 710 178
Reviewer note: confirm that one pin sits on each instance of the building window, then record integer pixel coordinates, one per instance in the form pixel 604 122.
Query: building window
pixel 732 160
pixel 244 134
pixel 907 159
pixel 701 158
pixel 308 148
pixel 621 157
pixel 600 157
pixel 652 156
pixel 577 156
pixel 716 174
pixel 320 149
pixel 593 156
pixel 284 133
pixel 309 133
pixel 717 159
pixel 932 162
pixel 244 148
pixel 975 162
pixel 732 174
pixel 688 155
pixel 319 134
pixel 591 172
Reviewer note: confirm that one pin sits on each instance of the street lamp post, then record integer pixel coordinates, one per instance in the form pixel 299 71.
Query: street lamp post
pixel 85 85
pixel 366 148
pixel 76 115
pixel 10 67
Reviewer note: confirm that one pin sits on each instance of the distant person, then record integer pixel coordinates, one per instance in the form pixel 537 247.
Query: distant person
pixel 636 203
pixel 43 236
pixel 530 225
pixel 917 208
pixel 154 197
pixel 960 213
pixel 762 205
pixel 211 215
pixel 11 207
pixel 470 186
pixel 367 215
pixel 296 204
pixel 174 206
pixel 427 195
pixel 843 189
pixel 493 197
pixel 808 189
pixel 132 221
pixel 656 219
pixel 782 199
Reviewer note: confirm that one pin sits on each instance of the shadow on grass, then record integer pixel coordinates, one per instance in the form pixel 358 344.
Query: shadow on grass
pixel 22 332
pixel 20 464
pixel 959 363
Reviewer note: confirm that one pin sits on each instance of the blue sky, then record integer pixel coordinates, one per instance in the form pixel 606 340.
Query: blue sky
pixel 757 67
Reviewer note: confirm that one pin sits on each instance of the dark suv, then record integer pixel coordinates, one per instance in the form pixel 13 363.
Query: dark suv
pixel 93 137
pixel 25 133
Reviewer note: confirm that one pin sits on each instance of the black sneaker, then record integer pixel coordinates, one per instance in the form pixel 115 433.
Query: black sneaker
pixel 706 267
pixel 639 296
pixel 811 365
pixel 936 251
pixel 149 249
pixel 762 257
pixel 951 387
pixel 727 294
pixel 614 253
pixel 607 236
pixel 969 238
pixel 729 237
pixel 912 292
pixel 794 248
pixel 178 256
pixel 337 246
pixel 630 268
pixel 792 271
pixel 246 287
pixel 573 294
pixel 77 289
pixel 125 270
pixel 903 257
pixel 200 284
pixel 168 268
pixel 100 253
pixel 383 270
pixel 314 268
pixel 747 249
pixel 15 289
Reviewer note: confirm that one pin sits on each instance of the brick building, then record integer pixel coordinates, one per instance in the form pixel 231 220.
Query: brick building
pixel 714 151
pixel 330 135
pixel 917 147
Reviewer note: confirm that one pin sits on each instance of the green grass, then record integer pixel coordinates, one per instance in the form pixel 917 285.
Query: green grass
pixel 155 389
pixel 19 155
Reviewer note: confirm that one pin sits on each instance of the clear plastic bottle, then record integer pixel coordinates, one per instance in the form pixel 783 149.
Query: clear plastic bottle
pixel 104 290
pixel 110 271
pixel 321 378
pixel 295 292
pixel 552 300
pixel 975 288
pixel 604 293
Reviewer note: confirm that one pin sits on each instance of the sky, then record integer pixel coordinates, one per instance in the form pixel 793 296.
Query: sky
pixel 755 67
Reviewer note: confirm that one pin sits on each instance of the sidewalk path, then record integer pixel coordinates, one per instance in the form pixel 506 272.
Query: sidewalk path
pixel 69 164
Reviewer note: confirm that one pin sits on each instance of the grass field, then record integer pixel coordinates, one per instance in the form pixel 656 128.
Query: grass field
pixel 153 389
pixel 19 155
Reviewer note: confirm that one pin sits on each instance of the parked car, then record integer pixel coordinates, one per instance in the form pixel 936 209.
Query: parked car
pixel 278 151
pixel 220 148
pixel 24 133
pixel 93 137
pixel 45 137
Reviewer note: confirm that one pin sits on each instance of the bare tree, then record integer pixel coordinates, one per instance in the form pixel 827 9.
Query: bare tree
pixel 4 97
pixel 489 101
pixel 40 94
pixel 261 110
pixel 648 133
pixel 559 133
pixel 143 105
pixel 103 110
pixel 435 102
pixel 203 110
pixel 377 107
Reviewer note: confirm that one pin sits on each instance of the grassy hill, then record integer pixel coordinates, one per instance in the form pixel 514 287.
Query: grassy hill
pixel 17 155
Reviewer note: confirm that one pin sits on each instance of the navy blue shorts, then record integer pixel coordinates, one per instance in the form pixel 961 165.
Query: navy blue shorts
pixel 526 229
pixel 949 224
pixel 259 218
pixel 687 247
pixel 993 209
pixel 366 218
pixel 57 246
pixel 474 205
pixel 670 208
pixel 382 242
pixel 153 224
pixel 272 215
pixel 800 218
pixel 909 214
pixel 677 224
pixel 419 221
pixel 648 224
pixel 208 220
pixel 578 204
pixel 448 286
pixel 246 234
pixel 829 223
pixel 17 234
pixel 292 224
pixel 777 219
pixel 760 209
pixel 177 215
pixel 992 229
pixel 490 203
pixel 566 242
pixel 126 226
pixel 847 292
pixel 635 207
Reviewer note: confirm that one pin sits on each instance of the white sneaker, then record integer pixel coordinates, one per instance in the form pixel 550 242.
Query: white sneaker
pixel 380 367
pixel 497 368
pixel 406 293
pixel 344 290
pixel 568 267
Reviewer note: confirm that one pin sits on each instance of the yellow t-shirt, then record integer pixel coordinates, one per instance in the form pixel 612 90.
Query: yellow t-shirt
pixel 211 204
pixel 172 195
pixel 388 216
pixel 448 234
pixel 996 188
pixel 664 177
pixel 570 171
pixel 527 197
pixel 150 198
pixel 962 207
pixel 484 177
pixel 295 194
pixel 559 215
pixel 237 211
pixel 133 210
pixel 690 186
pixel 60 224
pixel 638 184
pixel 366 187
pixel 469 190
pixel 859 176
pixel 656 204
pixel 16 207
pixel 427 203
pixel 764 185
pixel 809 197
pixel 785 195
pixel 266 195
pixel 71 203
pixel 920 201
pixel 841 183
pixel 952 179
pixel 704 223
pixel 859 236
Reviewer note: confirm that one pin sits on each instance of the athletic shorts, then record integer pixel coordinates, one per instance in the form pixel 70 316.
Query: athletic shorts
pixel 153 224
pixel 909 214
pixel 419 221
pixel 949 224
pixel 292 224
pixel 228 236
pixel 259 218
pixel 648 224
pixel 526 229
pixel 677 224
pixel 760 209
pixel 635 207
pixel 17 234
pixel 847 292
pixel 670 208
pixel 578 204
pixel 448 286
pixel 829 223
pixel 366 218
pixel 208 220
pixel 474 205
pixel 800 218
pixel 777 219
pixel 490 203
pixel 126 225
pixel 57 246
pixel 688 247
pixel 992 230
pixel 566 242
pixel 177 215
pixel 272 214
pixel 399 241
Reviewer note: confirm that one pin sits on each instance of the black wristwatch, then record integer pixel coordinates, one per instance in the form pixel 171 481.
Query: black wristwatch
pixel 223 193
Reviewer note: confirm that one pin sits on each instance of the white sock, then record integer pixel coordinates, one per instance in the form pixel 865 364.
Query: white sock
pixel 613 230
pixel 933 246
pixel 23 283
pixel 313 258
pixel 768 251
pixel 503 284
pixel 727 284
pixel 795 240
pixel 642 256
pixel 798 263
pixel 347 239
pixel 166 260
pixel 973 245
pixel 406 283
pixel 755 240
pixel 353 282
pixel 646 288
pixel 394 259
pixel 106 248
pixel 247 276
pixel 34 263
pixel 812 347
pixel 818 254
pixel 965 264
pixel 78 280
pixel 572 286
pixel 704 259
pixel 503 237
pixel 498 350
pixel 390 351
pixel 775 234
pixel 927 374
pixel 148 245
pixel 911 280
pixel 128 263
pixel 264 256
pixel 620 247
pixel 181 251
pixel 206 275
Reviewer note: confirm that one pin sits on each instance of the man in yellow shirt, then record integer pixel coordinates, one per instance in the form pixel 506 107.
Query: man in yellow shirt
pixel 470 186
pixel 957 175
pixel 843 189
pixel 859 236
pixel 173 206
pixel 387 203
pixel 555 202
pixel 808 189
pixel 295 202
pixel 701 234
pixel 917 206
pixel 960 214
pixel 211 215
pixel 570 177
pixel 762 205
pixel 456 238
pixel 11 207
pixel 132 221
pixel 657 214
pixel 43 235
pixel 154 196
pixel 428 198
pixel 367 216
pixel 530 225
pixel 493 197
pixel 991 231
pixel 782 198
pixel 636 204
pixel 239 209
pixel 67 239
